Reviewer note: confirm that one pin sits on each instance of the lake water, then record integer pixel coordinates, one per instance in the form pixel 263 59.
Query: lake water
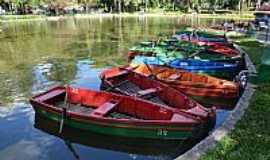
pixel 39 54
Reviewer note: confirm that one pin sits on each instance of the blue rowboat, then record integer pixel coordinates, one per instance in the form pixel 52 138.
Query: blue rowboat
pixel 212 68
pixel 197 65
pixel 218 69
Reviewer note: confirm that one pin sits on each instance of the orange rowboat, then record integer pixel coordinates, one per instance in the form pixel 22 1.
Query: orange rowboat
pixel 206 89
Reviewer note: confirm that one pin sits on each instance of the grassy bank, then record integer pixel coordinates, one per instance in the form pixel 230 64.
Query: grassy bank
pixel 19 18
pixel 250 140
pixel 235 15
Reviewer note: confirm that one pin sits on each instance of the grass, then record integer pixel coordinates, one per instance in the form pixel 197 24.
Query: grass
pixel 234 16
pixel 20 18
pixel 251 138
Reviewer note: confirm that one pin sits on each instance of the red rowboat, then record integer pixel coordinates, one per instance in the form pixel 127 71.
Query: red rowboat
pixel 118 115
pixel 205 89
pixel 227 51
pixel 121 80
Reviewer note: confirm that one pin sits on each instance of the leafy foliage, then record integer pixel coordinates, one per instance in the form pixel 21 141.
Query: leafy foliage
pixel 145 5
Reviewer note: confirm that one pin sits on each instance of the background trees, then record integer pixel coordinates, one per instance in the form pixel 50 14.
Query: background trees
pixel 118 6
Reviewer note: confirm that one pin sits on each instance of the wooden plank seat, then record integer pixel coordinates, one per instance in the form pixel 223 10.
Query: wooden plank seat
pixel 180 118
pixel 161 71
pixel 128 69
pixel 104 108
pixel 174 76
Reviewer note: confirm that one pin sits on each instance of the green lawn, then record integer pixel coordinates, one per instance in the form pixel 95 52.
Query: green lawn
pixel 251 138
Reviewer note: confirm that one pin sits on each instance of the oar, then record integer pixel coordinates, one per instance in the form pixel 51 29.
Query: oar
pixel 129 69
pixel 194 54
pixel 71 148
pixel 64 113
pixel 148 67
pixel 63 117
pixel 116 85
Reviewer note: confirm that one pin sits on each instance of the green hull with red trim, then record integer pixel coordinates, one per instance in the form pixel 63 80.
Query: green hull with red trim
pixel 132 131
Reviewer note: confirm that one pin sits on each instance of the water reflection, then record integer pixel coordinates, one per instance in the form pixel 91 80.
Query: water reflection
pixel 133 147
pixel 38 55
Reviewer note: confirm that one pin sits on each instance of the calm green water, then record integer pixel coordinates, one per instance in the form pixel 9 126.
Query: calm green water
pixel 37 55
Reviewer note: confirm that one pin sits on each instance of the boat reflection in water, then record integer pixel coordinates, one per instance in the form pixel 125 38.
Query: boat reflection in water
pixel 166 149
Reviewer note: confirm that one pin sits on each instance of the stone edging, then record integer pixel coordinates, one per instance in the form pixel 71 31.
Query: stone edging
pixel 250 66
pixel 228 125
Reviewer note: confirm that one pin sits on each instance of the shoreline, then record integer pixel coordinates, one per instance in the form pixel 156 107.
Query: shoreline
pixel 23 18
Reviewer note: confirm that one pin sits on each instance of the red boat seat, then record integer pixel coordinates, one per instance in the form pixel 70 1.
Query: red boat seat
pixel 104 108
pixel 174 76
pixel 147 91
pixel 180 118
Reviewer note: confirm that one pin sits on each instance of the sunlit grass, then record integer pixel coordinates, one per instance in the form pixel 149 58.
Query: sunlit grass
pixel 251 138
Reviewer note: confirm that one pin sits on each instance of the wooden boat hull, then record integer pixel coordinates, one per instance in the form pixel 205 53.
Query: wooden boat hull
pixel 148 129
pixel 218 102
pixel 212 56
pixel 200 36
pixel 216 69
pixel 208 100
pixel 222 71
pixel 120 144
pixel 131 131
pixel 224 50
pixel 203 88
pixel 187 49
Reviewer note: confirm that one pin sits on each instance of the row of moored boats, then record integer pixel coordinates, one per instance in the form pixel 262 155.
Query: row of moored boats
pixel 169 90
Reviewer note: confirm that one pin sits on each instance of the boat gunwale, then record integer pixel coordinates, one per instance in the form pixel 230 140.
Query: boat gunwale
pixel 128 121
pixel 106 122
pixel 108 82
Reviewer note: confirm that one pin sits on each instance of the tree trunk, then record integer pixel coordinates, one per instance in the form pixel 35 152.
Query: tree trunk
pixel 146 5
pixel 215 5
pixel 115 6
pixel 241 5
pixel 119 6
pixel 258 5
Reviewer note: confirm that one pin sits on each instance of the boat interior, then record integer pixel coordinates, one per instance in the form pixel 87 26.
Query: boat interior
pixel 170 74
pixel 133 84
pixel 103 104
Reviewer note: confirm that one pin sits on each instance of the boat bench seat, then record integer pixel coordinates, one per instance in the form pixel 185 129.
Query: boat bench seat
pixel 104 108
pixel 51 95
pixel 180 118
pixel 174 76
pixel 148 91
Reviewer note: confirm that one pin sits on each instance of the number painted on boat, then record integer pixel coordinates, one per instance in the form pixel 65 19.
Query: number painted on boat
pixel 162 132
